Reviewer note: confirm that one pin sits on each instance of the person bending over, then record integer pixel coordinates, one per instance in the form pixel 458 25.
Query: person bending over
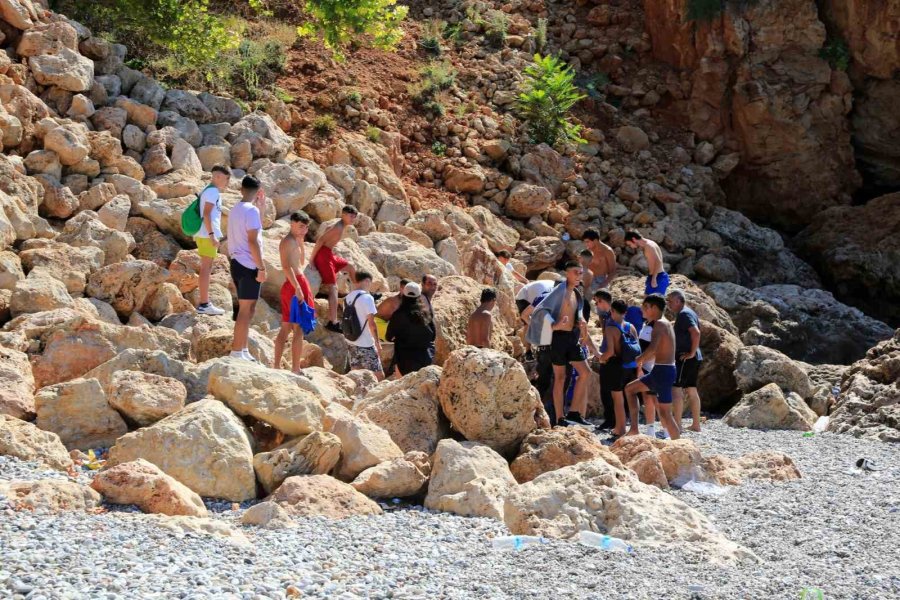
pixel 657 279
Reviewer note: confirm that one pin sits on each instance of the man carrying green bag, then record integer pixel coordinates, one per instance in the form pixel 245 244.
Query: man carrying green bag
pixel 203 221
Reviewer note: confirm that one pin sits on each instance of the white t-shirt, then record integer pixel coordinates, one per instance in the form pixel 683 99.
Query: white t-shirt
pixel 212 196
pixel 365 306
pixel 532 290
pixel 243 217
pixel 646 334
pixel 547 330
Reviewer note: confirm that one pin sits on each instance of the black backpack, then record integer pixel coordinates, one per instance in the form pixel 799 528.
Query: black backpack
pixel 350 325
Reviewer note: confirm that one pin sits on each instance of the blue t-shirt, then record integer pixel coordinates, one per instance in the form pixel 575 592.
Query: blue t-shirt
pixel 686 319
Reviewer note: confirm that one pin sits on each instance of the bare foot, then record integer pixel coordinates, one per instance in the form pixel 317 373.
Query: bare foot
pixel 695 428
pixel 618 433
pixel 633 432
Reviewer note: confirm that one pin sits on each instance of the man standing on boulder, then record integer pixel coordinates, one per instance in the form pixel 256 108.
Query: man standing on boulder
pixel 659 381
pixel 689 357
pixel 603 261
pixel 293 260
pixel 481 322
pixel 365 351
pixel 657 279
pixel 210 234
pixel 248 270
pixel 330 265
pixel 564 306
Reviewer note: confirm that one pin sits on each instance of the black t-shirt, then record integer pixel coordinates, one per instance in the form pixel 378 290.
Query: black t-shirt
pixel 686 319
pixel 408 333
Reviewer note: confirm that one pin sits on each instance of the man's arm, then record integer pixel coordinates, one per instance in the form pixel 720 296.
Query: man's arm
pixel 612 265
pixel 526 315
pixel 207 222
pixel 588 341
pixel 320 240
pixel 255 245
pixel 609 333
pixel 695 342
pixel 288 254
pixel 650 352
pixel 373 328
pixel 519 277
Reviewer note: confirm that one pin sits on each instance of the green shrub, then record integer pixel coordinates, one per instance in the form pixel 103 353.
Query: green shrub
pixel 837 53
pixel 546 96
pixel 437 77
pixel 540 35
pixel 324 126
pixel 430 39
pixel 453 34
pixel 496 28
pixel 353 97
pixel 284 95
pixel 704 10
pixel 373 134
pixel 341 22
pixel 439 148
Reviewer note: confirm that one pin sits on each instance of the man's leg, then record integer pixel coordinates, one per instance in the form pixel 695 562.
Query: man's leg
pixel 619 407
pixel 631 393
pixel 579 398
pixel 206 265
pixel 694 399
pixel 668 421
pixel 649 408
pixel 332 303
pixel 246 308
pixel 280 341
pixel 677 408
pixel 559 388
pixel 297 348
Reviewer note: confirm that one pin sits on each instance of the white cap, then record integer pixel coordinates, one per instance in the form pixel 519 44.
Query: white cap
pixel 412 290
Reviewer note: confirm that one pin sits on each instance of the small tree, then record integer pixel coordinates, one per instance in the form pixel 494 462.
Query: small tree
pixel 341 22
pixel 545 99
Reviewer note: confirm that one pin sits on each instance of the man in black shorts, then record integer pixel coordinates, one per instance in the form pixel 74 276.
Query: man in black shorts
pixel 688 357
pixel 614 373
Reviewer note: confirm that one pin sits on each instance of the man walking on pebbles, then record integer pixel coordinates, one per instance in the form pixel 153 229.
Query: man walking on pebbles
pixel 330 265
pixel 657 278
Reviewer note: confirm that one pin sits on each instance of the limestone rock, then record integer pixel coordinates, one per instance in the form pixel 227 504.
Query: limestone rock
pixel 488 398
pixel 546 450
pixel 766 465
pixel 758 366
pixel 314 454
pixel 16 384
pixel 204 446
pixel 660 462
pixel 468 479
pixel 145 485
pixel 498 234
pixel 632 139
pixel 408 409
pixel 268 515
pixel 546 167
pixel 37 293
pixel 128 286
pixel 464 181
pixel 457 297
pixel 768 408
pixel 66 70
pixel 397 478
pixel 323 496
pixel 526 200
pixel 25 441
pixel 145 398
pixel 79 413
pixel 86 229
pixel 50 496
pixel 363 444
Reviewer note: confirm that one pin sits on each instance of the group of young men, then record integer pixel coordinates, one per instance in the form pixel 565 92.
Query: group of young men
pixel 645 357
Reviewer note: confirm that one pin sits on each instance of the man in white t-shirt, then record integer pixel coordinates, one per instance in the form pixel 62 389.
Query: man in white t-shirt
pixel 525 297
pixel 365 351
pixel 210 234
pixel 248 269
pixel 504 257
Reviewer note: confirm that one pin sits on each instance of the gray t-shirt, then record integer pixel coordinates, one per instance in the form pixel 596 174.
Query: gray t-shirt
pixel 244 217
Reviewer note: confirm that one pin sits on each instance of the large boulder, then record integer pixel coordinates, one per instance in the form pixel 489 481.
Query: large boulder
pixel 765 465
pixel 805 324
pixel 38 292
pixel 322 496
pixel 145 398
pixel 597 496
pixel 869 401
pixel 631 290
pixel 541 253
pixel 128 286
pixel 145 485
pixel 468 479
pixel 86 229
pixel 16 384
pixel 291 186
pixel 71 265
pixel 398 256
pixel 658 462
pixel 769 408
pixel 315 454
pixel 526 200
pixel 758 366
pixel 363 444
pixel 66 70
pixel 408 409
pixel 546 450
pixel 204 446
pixel 79 413
pixel 456 299
pixel 498 234
pixel 488 398
pixel 154 362
pixel 282 399
pixel 25 441
pixel 397 478
pixel 50 496
pixel 716 382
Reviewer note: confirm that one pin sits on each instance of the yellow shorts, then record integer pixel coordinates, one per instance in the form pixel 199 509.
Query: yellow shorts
pixel 206 248
pixel 381 325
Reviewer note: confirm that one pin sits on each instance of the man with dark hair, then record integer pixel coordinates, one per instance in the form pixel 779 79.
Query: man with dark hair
pixel 248 270
pixel 660 380
pixel 657 278
pixel 563 307
pixel 603 261
pixel 603 304
pixel 481 322
pixel 210 234
pixel 689 357
pixel 365 351
pixel 292 251
pixel 504 257
pixel 330 265
pixel 615 372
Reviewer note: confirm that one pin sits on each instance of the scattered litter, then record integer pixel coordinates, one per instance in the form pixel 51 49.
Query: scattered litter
pixel 517 542
pixel 868 465
pixel 704 488
pixel 821 424
pixel 604 542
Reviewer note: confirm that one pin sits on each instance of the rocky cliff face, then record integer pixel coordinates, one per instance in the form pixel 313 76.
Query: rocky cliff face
pixel 752 78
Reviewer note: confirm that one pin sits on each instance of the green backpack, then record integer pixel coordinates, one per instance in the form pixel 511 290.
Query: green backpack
pixel 191 219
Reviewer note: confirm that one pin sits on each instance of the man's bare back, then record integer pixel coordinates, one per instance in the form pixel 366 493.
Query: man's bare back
pixel 388 307
pixel 654 256
pixel 663 339
pixel 333 235
pixel 478 332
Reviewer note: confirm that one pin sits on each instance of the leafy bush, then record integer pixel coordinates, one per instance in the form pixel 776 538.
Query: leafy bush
pixel 540 35
pixel 837 53
pixel 547 95
pixel 353 97
pixel 341 22
pixel 324 126
pixel 373 134
pixel 453 33
pixel 704 10
pixel 439 76
pixel 496 27
pixel 432 32
pixel 439 148
pixel 427 93
pixel 284 95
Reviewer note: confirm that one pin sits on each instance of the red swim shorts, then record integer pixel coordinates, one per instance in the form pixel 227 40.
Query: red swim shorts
pixel 328 265
pixel 287 296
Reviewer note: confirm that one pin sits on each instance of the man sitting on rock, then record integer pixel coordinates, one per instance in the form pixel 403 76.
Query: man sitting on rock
pixel 292 251
pixel 661 378
pixel 603 261
pixel 248 270
pixel 210 234
pixel 657 279
pixel 481 322
pixel 689 357
pixel 330 265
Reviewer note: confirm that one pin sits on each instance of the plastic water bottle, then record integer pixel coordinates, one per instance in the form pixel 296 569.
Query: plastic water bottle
pixel 704 488
pixel 517 542
pixel 821 424
pixel 604 542
pixel 566 237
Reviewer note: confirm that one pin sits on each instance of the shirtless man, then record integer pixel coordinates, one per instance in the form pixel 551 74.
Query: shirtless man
pixel 603 261
pixel 565 305
pixel 389 306
pixel 657 279
pixel 293 261
pixel 661 379
pixel 478 331
pixel 330 265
